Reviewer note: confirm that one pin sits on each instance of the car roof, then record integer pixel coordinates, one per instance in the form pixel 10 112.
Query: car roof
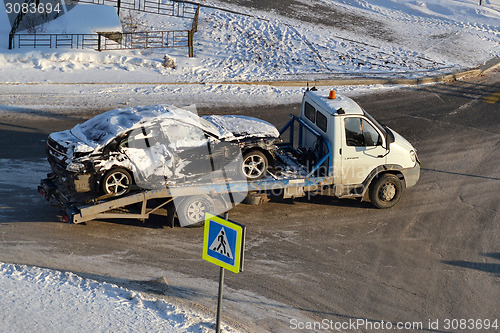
pixel 333 105
pixel 104 127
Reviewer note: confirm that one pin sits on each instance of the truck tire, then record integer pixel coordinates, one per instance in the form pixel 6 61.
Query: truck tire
pixel 254 164
pixel 191 211
pixel 117 181
pixel 386 191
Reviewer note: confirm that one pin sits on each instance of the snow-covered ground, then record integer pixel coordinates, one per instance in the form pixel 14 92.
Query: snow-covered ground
pixel 44 300
pixel 427 37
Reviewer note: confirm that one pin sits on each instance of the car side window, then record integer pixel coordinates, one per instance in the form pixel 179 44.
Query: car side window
pixel 360 133
pixel 353 132
pixel 370 134
pixel 321 121
pixel 310 112
pixel 142 137
pixel 182 135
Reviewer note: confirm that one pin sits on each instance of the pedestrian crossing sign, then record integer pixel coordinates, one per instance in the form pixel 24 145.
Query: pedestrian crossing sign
pixel 224 243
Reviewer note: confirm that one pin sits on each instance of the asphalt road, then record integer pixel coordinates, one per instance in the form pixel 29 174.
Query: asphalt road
pixel 434 256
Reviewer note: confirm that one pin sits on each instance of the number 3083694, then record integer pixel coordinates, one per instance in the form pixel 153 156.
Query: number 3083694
pixel 32 8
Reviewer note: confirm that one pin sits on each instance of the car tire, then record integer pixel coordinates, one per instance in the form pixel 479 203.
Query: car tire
pixel 191 211
pixel 254 164
pixel 116 181
pixel 386 191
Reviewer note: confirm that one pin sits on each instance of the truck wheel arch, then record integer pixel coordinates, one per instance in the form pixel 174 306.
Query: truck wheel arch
pixel 379 172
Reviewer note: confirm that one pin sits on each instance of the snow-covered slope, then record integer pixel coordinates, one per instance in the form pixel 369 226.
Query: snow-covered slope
pixel 428 36
pixel 458 31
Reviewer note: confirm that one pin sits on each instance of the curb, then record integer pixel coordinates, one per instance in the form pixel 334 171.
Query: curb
pixel 484 69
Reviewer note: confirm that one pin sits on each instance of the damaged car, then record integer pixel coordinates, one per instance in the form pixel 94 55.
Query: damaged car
pixel 157 146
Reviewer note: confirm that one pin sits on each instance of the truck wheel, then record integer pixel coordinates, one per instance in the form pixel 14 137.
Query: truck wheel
pixel 386 191
pixel 255 164
pixel 116 181
pixel 191 210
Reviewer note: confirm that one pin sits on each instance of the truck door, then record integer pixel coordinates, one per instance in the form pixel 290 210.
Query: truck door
pixel 362 149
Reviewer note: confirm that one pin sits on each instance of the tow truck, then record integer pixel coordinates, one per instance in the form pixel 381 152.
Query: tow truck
pixel 333 146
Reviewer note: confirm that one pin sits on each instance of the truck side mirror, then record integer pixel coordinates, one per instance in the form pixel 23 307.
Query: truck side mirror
pixel 389 138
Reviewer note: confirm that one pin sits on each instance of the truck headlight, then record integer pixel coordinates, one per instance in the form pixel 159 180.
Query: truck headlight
pixel 75 167
pixel 413 156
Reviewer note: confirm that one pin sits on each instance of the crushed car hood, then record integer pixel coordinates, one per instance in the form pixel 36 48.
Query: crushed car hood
pixel 243 127
pixel 68 144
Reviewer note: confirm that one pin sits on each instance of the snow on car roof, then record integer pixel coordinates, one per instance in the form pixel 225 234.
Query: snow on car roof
pixel 104 127
pixel 243 126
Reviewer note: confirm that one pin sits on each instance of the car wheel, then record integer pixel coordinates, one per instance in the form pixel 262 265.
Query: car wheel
pixel 191 211
pixel 116 181
pixel 254 164
pixel 386 191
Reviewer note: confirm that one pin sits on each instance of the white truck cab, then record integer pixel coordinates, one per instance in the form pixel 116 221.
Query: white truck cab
pixel 368 160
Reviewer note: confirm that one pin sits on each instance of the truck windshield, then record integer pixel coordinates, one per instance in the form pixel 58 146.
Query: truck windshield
pixel 375 122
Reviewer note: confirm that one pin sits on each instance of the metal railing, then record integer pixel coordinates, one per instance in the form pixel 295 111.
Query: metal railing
pixel 106 41
pixel 147 39
pixel 74 41
pixel 170 7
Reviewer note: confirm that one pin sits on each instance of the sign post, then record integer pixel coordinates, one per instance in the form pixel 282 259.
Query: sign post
pixel 219 299
pixel 223 245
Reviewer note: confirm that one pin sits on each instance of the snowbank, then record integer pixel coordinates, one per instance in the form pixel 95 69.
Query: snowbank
pixel 52 301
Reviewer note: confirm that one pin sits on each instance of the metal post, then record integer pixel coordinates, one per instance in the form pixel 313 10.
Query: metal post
pixel 195 19
pixel 11 41
pixel 219 303
pixel 119 5
pixel 190 43
pixel 221 286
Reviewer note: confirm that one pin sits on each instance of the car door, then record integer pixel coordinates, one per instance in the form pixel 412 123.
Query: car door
pixel 191 148
pixel 149 156
pixel 362 149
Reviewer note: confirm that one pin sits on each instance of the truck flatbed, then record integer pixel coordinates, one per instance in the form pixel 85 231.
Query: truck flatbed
pixel 292 178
